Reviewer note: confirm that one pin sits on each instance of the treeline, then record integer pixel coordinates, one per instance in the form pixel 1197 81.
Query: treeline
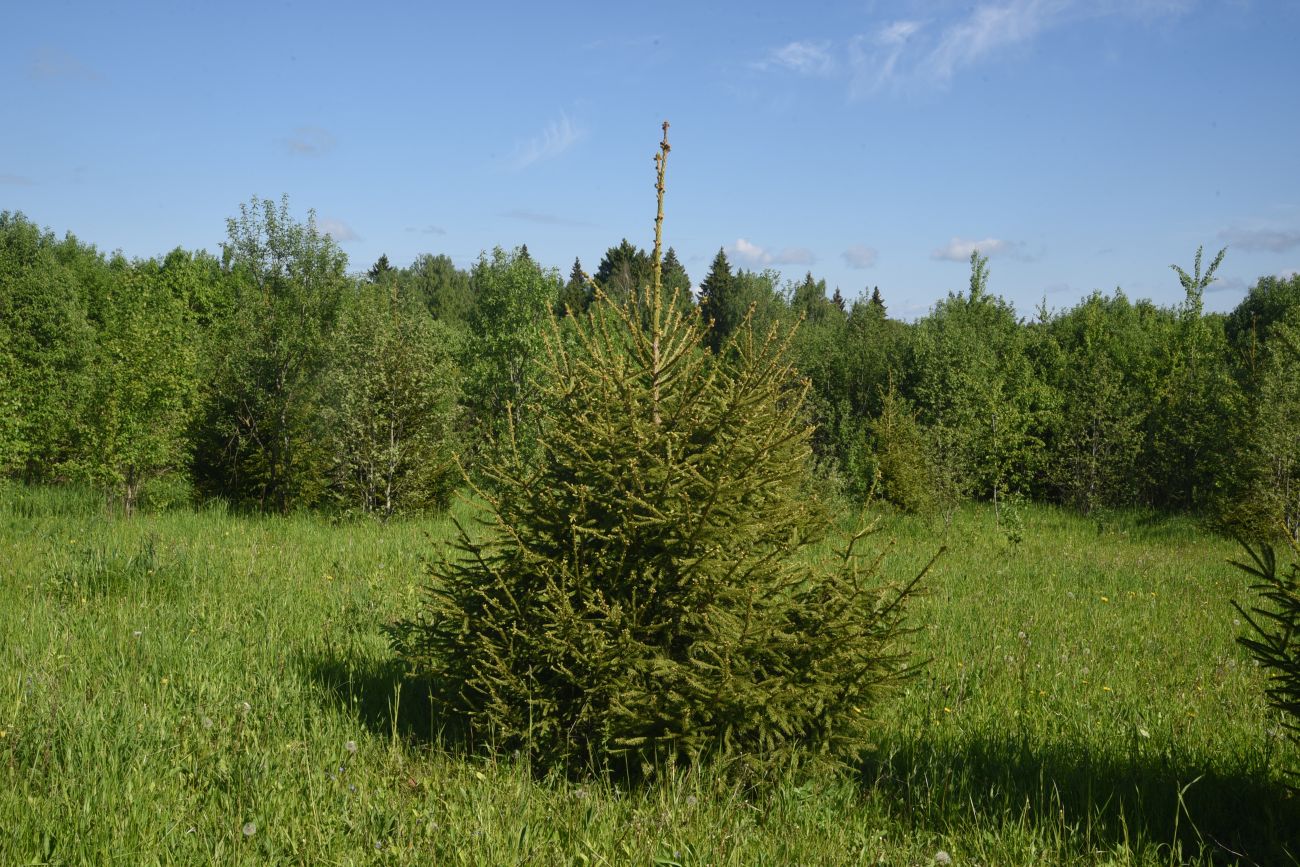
pixel 272 379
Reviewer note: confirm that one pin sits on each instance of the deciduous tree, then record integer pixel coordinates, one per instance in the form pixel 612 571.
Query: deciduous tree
pixel 259 443
pixel 390 405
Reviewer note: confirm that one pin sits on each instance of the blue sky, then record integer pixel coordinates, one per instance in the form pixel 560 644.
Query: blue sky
pixel 1081 145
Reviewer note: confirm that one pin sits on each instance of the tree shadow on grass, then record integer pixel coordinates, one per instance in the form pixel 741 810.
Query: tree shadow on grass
pixel 380 694
pixel 1143 803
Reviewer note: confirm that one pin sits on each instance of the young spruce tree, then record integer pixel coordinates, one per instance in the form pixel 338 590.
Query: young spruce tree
pixel 644 594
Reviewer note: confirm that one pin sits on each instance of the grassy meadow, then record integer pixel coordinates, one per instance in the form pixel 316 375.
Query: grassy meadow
pixel 201 686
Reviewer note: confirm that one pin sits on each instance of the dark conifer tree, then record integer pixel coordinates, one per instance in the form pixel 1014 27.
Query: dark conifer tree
pixel 624 269
pixel 676 280
pixel 575 297
pixel 717 302
pixel 381 270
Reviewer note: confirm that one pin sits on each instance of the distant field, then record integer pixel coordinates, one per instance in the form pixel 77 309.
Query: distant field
pixel 191 687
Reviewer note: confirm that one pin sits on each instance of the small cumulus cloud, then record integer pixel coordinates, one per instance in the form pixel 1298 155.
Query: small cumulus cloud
pixel 310 141
pixel 557 137
pixel 55 64
pixel 340 231
pixel 1270 240
pixel 860 256
pixel 543 218
pixel 802 57
pixel 752 254
pixel 960 249
pixel 16 180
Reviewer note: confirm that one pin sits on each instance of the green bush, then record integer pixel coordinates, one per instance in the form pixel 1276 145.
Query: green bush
pixel 391 418
pixel 906 479
pixel 646 592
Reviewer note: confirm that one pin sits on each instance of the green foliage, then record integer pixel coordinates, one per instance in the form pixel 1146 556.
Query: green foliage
pixel 1188 439
pixel 1247 327
pixel 390 414
pixel 196 280
pixel 899 447
pixel 11 442
pixel 808 299
pixel 977 392
pixel 381 271
pixel 1276 623
pixel 645 594
pixel 869 358
pixel 516 297
pixel 819 350
pixel 257 438
pixel 45 286
pixel 1098 378
pixel 717 302
pixel 1268 498
pixel 576 295
pixel 624 270
pixel 142 387
pixel 676 282
pixel 446 291
pixel 1194 284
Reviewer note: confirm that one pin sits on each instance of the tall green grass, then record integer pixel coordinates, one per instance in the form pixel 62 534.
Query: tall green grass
pixel 194 686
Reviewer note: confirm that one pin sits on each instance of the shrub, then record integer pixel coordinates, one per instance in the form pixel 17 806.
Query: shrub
pixel 900 447
pixel 645 593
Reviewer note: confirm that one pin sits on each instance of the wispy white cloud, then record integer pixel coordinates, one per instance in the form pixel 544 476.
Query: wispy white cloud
pixel 932 51
pixel 1271 240
pixel 874 58
pixel 340 231
pixel 752 254
pixel 16 180
pixel 860 256
pixel 427 230
pixel 990 28
pixel 959 249
pixel 546 219
pixel 556 138
pixel 802 57
pixel 310 141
